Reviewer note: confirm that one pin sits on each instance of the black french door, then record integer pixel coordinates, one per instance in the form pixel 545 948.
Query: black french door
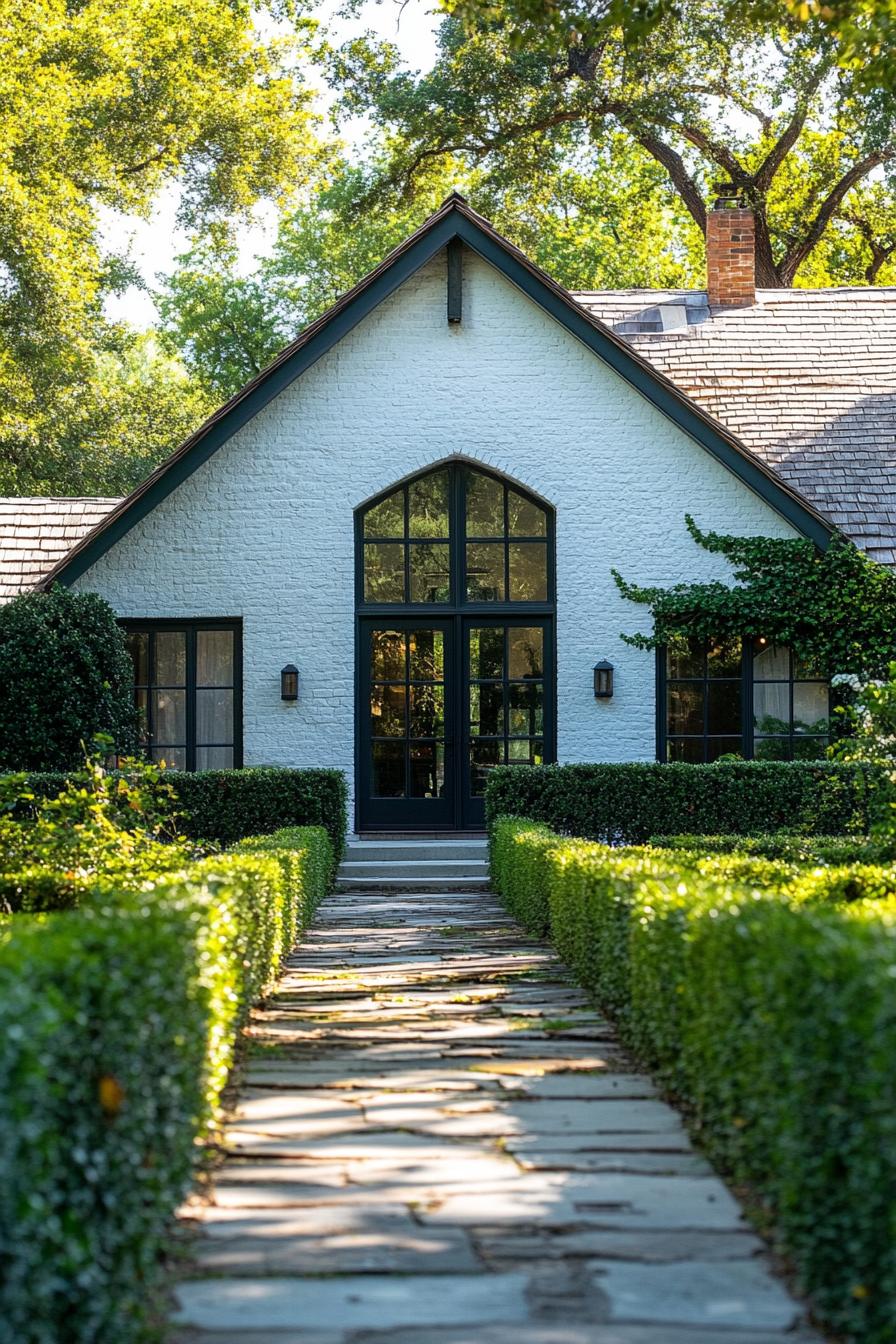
pixel 441 703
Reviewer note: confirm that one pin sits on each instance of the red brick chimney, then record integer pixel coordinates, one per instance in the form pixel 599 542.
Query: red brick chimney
pixel 730 252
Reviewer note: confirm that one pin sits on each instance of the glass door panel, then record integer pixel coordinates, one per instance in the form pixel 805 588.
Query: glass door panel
pixel 508 711
pixel 405 738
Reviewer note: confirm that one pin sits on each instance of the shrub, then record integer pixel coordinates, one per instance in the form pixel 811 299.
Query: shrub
pixel 772 1015
pixel 226 805
pixel 65 675
pixel 517 869
pixel 820 849
pixel 118 1025
pixel 102 1039
pixel 628 803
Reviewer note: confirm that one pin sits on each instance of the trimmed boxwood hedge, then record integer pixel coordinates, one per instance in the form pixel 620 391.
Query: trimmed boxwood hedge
pixel 821 849
pixel 769 1011
pixel 628 803
pixel 118 1023
pixel 225 805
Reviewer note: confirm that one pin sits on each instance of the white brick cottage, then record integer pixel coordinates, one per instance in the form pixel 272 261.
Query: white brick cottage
pixel 418 505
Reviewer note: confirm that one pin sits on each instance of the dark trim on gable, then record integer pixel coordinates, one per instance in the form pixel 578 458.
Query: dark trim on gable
pixel 454 220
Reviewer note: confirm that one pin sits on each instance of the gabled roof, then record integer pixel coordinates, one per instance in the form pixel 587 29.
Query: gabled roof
pixel 454 219
pixel 806 378
pixel 36 533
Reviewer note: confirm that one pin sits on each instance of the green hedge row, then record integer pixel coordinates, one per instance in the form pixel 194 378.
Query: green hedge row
pixel 770 1012
pixel 628 803
pixel 225 805
pixel 820 849
pixel 118 1023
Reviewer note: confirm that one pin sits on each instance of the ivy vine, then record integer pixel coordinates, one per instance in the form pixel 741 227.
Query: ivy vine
pixel 836 608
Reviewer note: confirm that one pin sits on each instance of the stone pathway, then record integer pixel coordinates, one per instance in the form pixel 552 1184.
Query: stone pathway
pixel 438 1141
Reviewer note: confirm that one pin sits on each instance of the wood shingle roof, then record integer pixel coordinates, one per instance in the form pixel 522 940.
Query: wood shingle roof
pixel 35 533
pixel 806 379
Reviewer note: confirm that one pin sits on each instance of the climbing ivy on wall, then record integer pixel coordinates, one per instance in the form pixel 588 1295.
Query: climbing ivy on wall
pixel 836 608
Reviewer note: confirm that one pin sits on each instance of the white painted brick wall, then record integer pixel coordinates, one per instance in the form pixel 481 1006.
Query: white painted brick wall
pixel 263 530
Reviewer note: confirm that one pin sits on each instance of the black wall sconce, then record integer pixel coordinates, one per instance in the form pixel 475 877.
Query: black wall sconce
pixel 603 680
pixel 289 682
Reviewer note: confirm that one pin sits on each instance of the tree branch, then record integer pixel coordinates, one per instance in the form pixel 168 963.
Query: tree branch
pixel 880 252
pixel 764 174
pixel 796 255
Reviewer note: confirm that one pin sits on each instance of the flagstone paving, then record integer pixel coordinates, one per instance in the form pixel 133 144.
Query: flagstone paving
pixel 439 1141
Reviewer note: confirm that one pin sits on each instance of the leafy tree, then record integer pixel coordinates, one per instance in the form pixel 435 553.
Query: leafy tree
pixel 103 103
pixel 65 676
pixel 863 31
pixel 803 140
pixel 616 228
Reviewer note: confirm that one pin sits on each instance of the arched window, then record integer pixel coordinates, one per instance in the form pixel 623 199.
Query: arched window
pixel 455 591
pixel 452 537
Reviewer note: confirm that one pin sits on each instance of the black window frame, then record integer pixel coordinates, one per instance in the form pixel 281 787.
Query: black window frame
pixel 191 626
pixel 456 541
pixel 748 735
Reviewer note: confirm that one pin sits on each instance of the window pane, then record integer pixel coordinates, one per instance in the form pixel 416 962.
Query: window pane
pixel 386 519
pixel 388 769
pixel 689 749
pixel 684 657
pixel 384 572
pixel 214 657
pixel 430 573
pixel 487 652
pixel 428 506
pixel 486 710
pixel 809 748
pixel 138 648
pixel 427 655
pixel 724 658
pixel 810 707
pixel 771 748
pixel 524 519
pixel 523 752
pixel 771 707
pixel 387 655
pixel 171 658
pixel 214 716
pixel 387 711
pixel 173 758
pixel 525 708
pixel 485 506
pixel 484 756
pixel 685 707
pixel 214 758
pixel 724 746
pixel 427 770
pixel 528 571
pixel 427 717
pixel 141 704
pixel 526 651
pixel 770 661
pixel 723 713
pixel 485 572
pixel 170 717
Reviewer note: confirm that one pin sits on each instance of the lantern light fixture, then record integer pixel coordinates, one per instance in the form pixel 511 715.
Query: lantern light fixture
pixel 289 682
pixel 603 680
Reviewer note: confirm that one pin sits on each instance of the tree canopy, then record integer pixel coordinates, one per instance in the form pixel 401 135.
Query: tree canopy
pixel 103 103
pixel 804 140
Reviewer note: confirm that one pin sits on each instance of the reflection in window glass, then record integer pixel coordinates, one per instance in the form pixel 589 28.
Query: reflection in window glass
pixel 388 769
pixel 485 506
pixel 485 572
pixel 383 572
pixel 524 517
pixel 430 575
pixel 525 646
pixel 186 693
pixel 528 571
pixel 386 519
pixel 486 652
pixel 387 655
pixel 428 505
pixel 427 655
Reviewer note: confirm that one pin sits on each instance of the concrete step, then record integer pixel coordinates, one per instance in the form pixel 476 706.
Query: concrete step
pixel 426 851
pixel 423 868
pixel 415 884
